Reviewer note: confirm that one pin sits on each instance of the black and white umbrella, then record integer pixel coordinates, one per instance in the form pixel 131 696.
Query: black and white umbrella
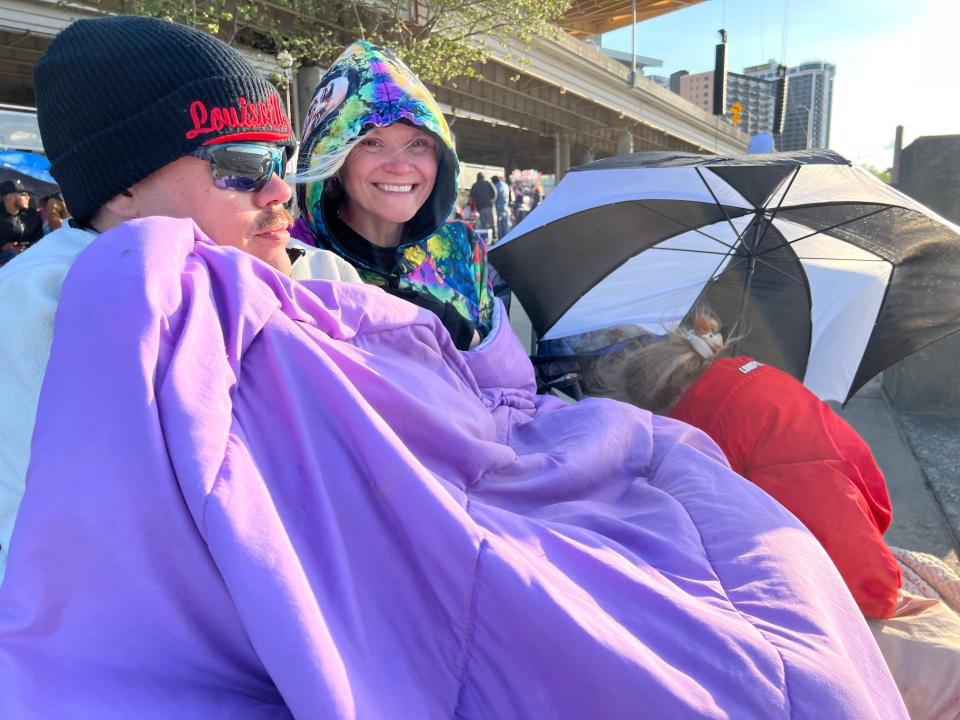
pixel 827 272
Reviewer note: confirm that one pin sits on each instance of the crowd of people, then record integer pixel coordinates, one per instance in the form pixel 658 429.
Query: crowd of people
pixel 258 466
pixel 494 206
pixel 21 225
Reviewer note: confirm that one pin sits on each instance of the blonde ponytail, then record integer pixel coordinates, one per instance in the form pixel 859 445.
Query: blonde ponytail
pixel 654 375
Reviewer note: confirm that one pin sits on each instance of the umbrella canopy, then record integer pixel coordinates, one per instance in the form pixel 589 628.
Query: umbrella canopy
pixel 31 169
pixel 824 271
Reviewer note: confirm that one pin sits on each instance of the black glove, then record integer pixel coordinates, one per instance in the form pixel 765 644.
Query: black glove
pixel 460 328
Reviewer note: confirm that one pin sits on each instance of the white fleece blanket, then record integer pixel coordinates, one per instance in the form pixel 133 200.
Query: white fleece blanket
pixel 29 293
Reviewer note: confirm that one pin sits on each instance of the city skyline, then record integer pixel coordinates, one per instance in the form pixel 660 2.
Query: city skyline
pixel 888 59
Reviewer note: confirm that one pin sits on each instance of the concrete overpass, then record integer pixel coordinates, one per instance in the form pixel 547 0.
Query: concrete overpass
pixel 563 102
pixel 554 105
pixel 586 18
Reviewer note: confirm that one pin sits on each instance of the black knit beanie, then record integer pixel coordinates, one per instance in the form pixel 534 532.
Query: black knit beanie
pixel 120 97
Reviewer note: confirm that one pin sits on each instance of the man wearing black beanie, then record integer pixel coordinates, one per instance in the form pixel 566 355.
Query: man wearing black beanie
pixel 139 117
pixel 123 103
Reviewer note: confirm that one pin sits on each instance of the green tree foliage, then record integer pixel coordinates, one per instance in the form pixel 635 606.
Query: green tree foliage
pixel 439 39
pixel 884 175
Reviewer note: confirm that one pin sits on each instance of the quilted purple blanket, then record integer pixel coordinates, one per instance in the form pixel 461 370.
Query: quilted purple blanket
pixel 252 498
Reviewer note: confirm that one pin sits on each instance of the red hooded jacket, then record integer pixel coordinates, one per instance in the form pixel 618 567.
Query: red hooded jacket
pixel 780 436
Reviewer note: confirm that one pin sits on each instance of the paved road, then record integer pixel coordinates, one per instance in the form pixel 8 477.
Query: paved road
pixel 919 455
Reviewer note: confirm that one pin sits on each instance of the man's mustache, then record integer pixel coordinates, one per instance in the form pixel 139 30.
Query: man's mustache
pixel 274 219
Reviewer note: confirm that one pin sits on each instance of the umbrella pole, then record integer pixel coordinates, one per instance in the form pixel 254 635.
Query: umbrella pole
pixel 743 300
pixel 752 264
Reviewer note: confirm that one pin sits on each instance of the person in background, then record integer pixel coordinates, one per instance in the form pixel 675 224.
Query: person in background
pixel 775 433
pixel 483 194
pixel 20 224
pixel 502 203
pixel 781 437
pixel 55 213
pixel 537 196
pixel 378 181
pixel 517 208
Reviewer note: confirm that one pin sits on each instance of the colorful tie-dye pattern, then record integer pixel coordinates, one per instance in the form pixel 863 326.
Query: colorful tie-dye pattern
pixel 366 87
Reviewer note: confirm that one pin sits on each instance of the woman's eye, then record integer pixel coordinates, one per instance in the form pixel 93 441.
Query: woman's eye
pixel 421 144
pixel 370 145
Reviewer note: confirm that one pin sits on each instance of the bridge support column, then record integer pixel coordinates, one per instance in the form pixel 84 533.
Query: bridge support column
pixel 562 156
pixel 307 79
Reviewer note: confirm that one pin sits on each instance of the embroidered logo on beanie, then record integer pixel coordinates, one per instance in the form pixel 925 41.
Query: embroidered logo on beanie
pixel 245 117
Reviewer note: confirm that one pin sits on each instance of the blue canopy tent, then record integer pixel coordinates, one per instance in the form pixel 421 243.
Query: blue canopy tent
pixel 31 169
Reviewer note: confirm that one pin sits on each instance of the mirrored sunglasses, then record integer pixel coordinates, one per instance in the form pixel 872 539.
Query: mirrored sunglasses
pixel 243 166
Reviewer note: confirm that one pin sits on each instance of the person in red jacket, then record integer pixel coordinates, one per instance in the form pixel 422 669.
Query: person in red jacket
pixel 778 435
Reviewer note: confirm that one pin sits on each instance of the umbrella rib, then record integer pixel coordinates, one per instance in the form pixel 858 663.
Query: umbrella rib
pixel 688 228
pixel 796 173
pixel 707 235
pixel 732 264
pixel 746 290
pixel 828 229
pixel 698 252
pixel 722 208
pixel 778 270
pixel 839 259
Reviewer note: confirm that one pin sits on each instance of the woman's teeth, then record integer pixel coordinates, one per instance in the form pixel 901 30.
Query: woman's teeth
pixel 395 188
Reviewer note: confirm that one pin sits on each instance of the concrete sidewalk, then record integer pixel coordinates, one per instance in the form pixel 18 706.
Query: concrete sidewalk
pixel 919 455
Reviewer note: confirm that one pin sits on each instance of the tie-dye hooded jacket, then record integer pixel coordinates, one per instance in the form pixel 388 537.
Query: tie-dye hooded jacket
pixel 370 87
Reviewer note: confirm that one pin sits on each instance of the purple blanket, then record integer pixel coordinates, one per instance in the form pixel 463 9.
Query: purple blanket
pixel 250 498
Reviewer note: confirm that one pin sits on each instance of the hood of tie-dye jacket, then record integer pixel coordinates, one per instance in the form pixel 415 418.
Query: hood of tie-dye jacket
pixel 368 87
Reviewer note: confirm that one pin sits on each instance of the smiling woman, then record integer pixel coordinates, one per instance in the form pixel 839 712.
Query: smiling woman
pixel 386 179
pixel 378 180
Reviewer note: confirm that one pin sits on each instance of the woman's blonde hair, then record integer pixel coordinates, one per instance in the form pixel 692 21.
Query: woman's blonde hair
pixel 655 375
pixel 56 212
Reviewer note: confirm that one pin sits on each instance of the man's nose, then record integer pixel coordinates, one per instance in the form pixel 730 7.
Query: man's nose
pixel 275 191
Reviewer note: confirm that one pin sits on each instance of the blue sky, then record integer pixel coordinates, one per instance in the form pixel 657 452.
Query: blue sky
pixel 897 62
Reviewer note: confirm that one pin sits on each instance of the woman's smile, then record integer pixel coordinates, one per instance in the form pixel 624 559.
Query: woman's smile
pixel 394 188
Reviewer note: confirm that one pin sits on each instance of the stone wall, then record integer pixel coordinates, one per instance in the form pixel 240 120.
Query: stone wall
pixel 929 380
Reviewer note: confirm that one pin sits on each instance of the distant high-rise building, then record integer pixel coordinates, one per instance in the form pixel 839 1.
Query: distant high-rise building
pixel 755 96
pixel 675 80
pixel 698 89
pixel 809 102
pixel 767 71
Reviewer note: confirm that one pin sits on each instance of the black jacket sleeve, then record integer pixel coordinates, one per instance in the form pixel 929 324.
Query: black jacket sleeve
pixel 34 227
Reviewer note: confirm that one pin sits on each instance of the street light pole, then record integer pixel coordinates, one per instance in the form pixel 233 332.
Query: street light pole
pixel 633 44
pixel 285 61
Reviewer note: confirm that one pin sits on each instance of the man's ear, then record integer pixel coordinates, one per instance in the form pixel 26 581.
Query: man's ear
pixel 114 211
pixel 123 205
